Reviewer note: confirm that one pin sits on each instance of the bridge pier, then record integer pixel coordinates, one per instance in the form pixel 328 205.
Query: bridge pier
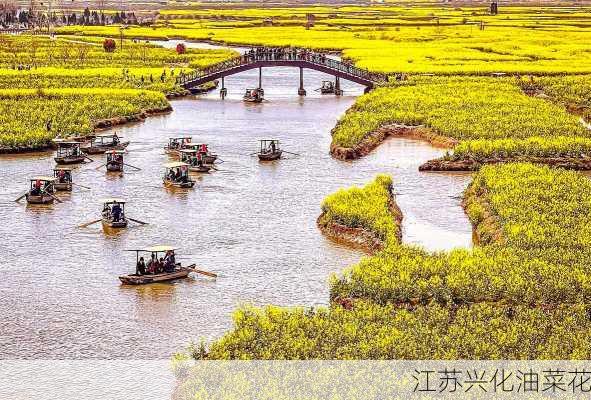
pixel 260 77
pixel 337 86
pixel 301 90
pixel 223 90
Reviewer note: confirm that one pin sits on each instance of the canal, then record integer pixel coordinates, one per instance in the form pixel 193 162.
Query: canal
pixel 252 223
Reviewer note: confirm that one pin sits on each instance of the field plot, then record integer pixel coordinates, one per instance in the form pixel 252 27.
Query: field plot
pixel 125 83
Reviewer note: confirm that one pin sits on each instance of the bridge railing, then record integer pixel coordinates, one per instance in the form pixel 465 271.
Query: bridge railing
pixel 294 55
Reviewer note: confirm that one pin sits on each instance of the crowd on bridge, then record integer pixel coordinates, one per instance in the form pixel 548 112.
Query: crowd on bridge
pixel 259 54
pixel 283 54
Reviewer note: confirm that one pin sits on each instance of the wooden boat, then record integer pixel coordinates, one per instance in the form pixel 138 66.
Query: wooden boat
pixel 178 272
pixel 176 169
pixel 107 141
pixel 63 179
pixel 177 143
pixel 202 149
pixel 253 96
pixel 69 153
pixel 41 190
pixel 112 207
pixel 114 160
pixel 195 160
pixel 327 87
pixel 133 279
pixel 269 150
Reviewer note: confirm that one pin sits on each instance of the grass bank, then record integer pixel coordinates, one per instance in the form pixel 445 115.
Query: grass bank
pixel 482 120
pixel 31 118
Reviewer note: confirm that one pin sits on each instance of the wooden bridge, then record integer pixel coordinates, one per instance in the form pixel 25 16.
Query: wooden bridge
pixel 283 58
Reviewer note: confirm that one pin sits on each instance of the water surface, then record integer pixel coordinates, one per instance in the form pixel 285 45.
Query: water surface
pixel 254 224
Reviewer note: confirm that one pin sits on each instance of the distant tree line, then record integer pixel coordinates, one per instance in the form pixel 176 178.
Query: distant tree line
pixel 12 17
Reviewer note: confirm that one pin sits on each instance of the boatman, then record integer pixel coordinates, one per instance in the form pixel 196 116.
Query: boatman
pixel 141 267
pixel 116 212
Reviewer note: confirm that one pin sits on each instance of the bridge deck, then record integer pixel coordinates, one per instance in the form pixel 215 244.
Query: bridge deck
pixel 318 62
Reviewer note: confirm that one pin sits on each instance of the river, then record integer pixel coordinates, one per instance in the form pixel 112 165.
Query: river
pixel 254 224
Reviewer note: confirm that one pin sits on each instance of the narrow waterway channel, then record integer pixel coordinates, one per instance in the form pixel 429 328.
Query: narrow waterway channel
pixel 252 223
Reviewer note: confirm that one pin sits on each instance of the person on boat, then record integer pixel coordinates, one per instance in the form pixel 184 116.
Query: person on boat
pixel 153 264
pixel 169 262
pixel 61 176
pixel 117 212
pixel 171 175
pixel 141 267
pixel 36 191
pixel 115 139
pixel 184 178
pixel 160 266
pixel 177 175
pixel 204 148
pixel 199 160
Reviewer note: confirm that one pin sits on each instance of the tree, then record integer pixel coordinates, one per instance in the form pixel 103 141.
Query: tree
pixel 109 45
pixel 180 48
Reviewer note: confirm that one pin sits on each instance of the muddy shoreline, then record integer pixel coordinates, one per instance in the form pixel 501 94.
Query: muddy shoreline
pixel 374 139
pixel 577 164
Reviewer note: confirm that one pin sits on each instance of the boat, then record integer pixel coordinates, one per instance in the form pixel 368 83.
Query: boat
pixel 177 175
pixel 104 142
pixel 327 87
pixel 114 160
pixel 253 96
pixel 269 150
pixel 206 155
pixel 177 143
pixel 175 271
pixel 113 215
pixel 63 179
pixel 41 191
pixel 69 153
pixel 195 160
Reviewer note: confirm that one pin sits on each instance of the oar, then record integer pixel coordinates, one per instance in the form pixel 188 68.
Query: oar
pixel 89 223
pixel 252 154
pixel 82 186
pixel 198 271
pixel 88 158
pixel 289 152
pixel 139 169
pixel 138 221
pixel 100 166
pixel 220 160
pixel 24 195
pixel 52 196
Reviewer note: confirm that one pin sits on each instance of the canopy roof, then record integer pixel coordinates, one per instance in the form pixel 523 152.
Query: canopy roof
pixel 62 168
pixel 115 152
pixel 269 140
pixel 180 137
pixel 107 135
pixel 157 249
pixel 176 164
pixel 188 150
pixel 113 200
pixel 43 178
